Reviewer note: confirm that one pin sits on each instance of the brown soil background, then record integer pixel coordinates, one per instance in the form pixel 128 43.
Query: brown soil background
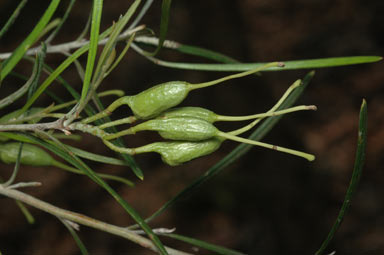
pixel 265 203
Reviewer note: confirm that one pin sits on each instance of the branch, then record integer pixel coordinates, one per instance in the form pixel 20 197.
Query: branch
pixel 67 47
pixel 84 220
pixel 58 124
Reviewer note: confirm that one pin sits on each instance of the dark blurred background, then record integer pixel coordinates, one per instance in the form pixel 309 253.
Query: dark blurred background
pixel 267 202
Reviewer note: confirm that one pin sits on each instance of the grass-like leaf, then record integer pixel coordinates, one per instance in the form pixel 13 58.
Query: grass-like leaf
pixel 141 14
pixel 188 49
pixel 289 65
pixel 16 168
pixel 208 246
pixel 54 75
pixel 239 151
pixel 75 237
pixel 109 46
pixel 23 89
pixel 356 174
pixel 165 11
pixel 13 17
pixel 205 53
pixel 63 152
pixel 97 157
pixel 40 62
pixel 90 111
pixel 62 21
pixel 17 54
pixel 23 209
pixel 93 44
pixel 27 214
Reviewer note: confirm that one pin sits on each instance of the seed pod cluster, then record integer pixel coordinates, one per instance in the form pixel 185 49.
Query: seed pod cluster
pixel 191 129
pixel 152 102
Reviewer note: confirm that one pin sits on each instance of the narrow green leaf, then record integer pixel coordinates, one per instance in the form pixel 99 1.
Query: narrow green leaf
pixel 76 237
pixel 11 62
pixel 205 53
pixel 165 11
pixel 62 21
pixel 23 209
pixel 16 168
pixel 208 246
pixel 23 89
pixel 13 17
pixel 142 12
pixel 97 157
pixel 356 175
pixel 239 151
pixel 16 137
pixel 64 153
pixel 109 46
pixel 188 49
pixel 59 70
pixel 27 214
pixel 90 111
pixel 93 44
pixel 289 65
pixel 40 61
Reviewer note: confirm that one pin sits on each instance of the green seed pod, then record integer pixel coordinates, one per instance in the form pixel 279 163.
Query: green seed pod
pixel 153 101
pixel 35 156
pixel 191 129
pixel 190 112
pixel 31 154
pixel 184 129
pixel 179 152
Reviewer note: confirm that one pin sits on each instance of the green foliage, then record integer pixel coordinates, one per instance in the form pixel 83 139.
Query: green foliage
pixel 188 132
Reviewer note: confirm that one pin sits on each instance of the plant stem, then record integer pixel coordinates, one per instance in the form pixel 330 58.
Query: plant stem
pixel 104 176
pixel 274 108
pixel 127 120
pixel 266 114
pixel 117 103
pixel 307 156
pixel 67 47
pixel 32 127
pixel 84 220
pixel 235 76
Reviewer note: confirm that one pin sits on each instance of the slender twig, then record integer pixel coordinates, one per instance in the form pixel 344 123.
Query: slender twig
pixel 58 124
pixel 155 230
pixel 66 47
pixel 155 41
pixel 84 220
pixel 24 185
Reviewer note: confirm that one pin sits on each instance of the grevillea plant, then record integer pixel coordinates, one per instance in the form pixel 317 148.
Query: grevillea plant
pixel 187 132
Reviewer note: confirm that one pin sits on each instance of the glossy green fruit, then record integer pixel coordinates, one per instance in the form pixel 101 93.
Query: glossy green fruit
pixel 153 101
pixel 31 154
pixel 179 152
pixel 190 112
pixel 184 129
